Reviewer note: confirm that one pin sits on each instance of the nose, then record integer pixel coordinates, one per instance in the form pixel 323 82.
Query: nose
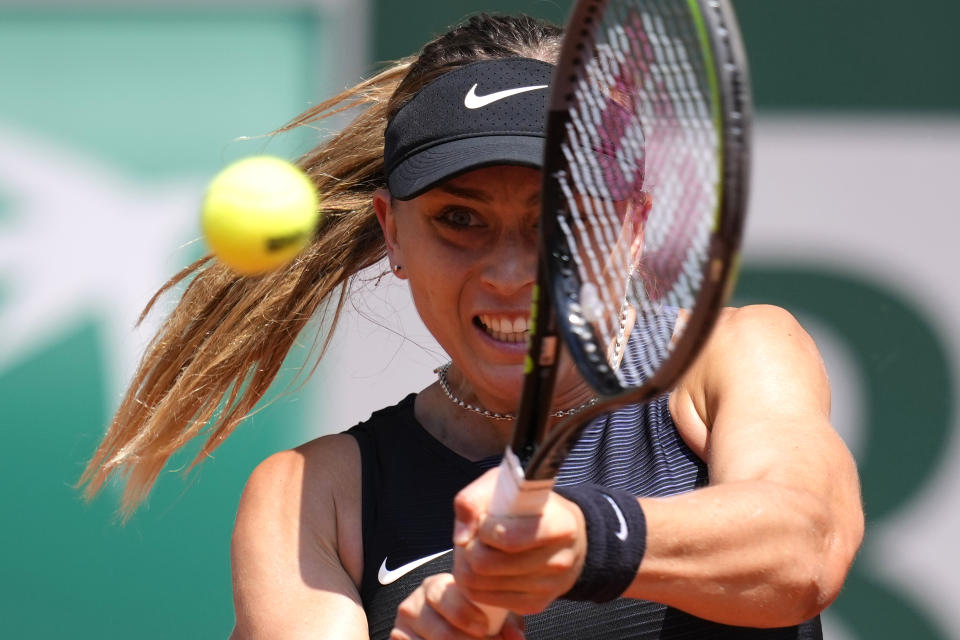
pixel 511 265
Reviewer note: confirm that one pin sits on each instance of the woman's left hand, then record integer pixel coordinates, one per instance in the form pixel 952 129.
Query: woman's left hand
pixel 520 563
pixel 439 609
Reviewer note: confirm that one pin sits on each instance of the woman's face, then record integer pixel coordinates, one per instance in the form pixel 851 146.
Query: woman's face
pixel 468 249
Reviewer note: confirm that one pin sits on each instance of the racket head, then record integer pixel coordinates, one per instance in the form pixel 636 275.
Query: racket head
pixel 645 191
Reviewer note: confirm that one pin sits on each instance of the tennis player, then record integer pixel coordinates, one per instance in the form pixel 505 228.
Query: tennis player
pixel 728 508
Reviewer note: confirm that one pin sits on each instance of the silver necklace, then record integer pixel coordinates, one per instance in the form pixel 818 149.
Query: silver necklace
pixel 441 372
pixel 621 332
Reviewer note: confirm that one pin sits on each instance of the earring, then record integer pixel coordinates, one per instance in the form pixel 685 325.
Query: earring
pixel 397 268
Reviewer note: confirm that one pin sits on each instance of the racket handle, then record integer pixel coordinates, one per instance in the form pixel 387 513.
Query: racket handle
pixel 514 495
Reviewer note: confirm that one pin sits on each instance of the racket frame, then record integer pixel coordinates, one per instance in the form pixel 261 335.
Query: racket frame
pixel 534 455
pixel 725 60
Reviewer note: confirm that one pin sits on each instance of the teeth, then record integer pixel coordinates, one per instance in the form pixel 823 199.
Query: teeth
pixel 509 337
pixel 506 329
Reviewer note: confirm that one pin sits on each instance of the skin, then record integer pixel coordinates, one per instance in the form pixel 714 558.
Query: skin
pixel 767 544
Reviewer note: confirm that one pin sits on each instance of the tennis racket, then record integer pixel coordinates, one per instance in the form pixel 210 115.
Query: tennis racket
pixel 644 198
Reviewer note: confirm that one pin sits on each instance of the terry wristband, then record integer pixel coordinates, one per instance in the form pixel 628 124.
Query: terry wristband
pixel 616 540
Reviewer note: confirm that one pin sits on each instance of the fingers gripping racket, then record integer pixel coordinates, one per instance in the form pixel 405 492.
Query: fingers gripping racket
pixel 644 197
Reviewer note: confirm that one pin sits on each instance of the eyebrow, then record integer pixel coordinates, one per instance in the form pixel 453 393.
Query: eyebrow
pixel 465 192
pixel 479 194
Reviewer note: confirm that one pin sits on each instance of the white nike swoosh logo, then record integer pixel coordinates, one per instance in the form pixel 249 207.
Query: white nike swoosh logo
pixel 386 576
pixel 622 534
pixel 473 101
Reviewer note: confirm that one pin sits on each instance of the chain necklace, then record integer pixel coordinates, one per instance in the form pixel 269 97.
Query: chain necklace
pixel 441 372
pixel 621 333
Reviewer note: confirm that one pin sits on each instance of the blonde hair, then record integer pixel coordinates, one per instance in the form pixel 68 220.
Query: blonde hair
pixel 217 353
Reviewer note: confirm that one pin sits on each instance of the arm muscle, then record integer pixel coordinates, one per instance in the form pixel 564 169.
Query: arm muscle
pixel 770 541
pixel 295 572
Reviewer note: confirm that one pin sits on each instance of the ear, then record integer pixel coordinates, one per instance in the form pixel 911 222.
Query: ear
pixel 382 204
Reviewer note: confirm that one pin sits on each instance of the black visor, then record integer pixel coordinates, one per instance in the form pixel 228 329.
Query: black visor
pixel 486 113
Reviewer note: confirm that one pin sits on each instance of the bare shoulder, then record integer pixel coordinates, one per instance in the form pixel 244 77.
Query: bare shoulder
pixel 764 348
pixel 757 405
pixel 759 325
pixel 314 488
pixel 758 357
pixel 753 337
pixel 296 552
pixel 332 460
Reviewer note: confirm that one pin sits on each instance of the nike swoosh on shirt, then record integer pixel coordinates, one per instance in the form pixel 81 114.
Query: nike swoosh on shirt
pixel 473 101
pixel 622 534
pixel 387 576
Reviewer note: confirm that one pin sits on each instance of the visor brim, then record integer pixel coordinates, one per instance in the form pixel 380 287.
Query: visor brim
pixel 431 167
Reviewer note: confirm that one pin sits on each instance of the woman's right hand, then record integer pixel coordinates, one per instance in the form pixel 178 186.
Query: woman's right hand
pixel 438 610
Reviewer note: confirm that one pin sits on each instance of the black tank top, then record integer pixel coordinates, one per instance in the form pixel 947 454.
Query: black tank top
pixel 410 480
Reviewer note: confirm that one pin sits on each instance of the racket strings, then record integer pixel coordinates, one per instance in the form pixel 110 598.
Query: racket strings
pixel 641 133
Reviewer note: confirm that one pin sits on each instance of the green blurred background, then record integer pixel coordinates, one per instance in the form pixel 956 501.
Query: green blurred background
pixel 113 116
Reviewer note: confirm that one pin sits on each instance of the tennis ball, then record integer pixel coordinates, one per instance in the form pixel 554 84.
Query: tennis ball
pixel 259 213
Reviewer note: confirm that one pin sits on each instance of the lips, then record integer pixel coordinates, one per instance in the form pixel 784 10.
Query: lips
pixel 505 328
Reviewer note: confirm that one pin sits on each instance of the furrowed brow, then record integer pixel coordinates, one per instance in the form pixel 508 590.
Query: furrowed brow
pixel 465 192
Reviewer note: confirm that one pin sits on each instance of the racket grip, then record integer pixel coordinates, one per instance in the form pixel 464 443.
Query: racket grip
pixel 514 495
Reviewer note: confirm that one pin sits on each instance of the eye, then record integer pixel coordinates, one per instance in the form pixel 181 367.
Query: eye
pixel 459 218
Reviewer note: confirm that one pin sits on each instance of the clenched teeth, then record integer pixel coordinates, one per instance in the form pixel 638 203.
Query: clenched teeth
pixel 504 328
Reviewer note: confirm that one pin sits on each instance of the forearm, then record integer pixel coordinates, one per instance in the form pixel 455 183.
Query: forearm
pixel 751 553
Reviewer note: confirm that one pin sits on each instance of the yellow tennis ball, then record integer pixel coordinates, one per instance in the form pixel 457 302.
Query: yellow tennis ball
pixel 259 213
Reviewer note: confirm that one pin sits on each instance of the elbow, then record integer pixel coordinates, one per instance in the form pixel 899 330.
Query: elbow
pixel 829 567
pixel 819 593
pixel 814 570
pixel 810 589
